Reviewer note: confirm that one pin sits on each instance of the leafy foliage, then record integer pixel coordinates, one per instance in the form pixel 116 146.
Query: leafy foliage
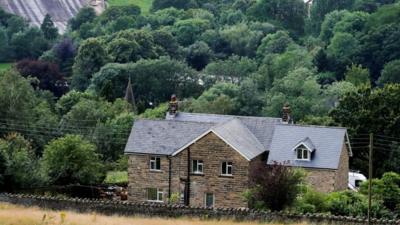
pixel 275 189
pixel 71 159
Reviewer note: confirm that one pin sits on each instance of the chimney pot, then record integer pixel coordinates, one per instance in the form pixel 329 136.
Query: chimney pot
pixel 286 114
pixel 173 106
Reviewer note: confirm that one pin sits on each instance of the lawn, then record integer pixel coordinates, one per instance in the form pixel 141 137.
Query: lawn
pixel 145 5
pixel 5 66
pixel 116 177
pixel 17 215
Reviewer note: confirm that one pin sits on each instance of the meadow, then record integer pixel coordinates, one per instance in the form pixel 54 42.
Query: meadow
pixel 145 5
pixel 18 215
pixel 5 66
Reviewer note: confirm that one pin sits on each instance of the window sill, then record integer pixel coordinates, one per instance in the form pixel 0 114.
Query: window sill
pixel 197 174
pixel 226 176
pixel 304 160
pixel 155 201
pixel 155 171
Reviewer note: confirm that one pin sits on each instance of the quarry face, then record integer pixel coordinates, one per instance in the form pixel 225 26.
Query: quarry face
pixel 59 10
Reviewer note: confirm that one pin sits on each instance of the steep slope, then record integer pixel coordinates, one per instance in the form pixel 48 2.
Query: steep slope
pixel 35 10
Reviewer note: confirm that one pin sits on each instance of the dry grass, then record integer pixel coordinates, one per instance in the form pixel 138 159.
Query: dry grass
pixel 17 215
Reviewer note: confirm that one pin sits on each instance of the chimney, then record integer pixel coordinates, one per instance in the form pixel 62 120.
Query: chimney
pixel 173 106
pixel 286 114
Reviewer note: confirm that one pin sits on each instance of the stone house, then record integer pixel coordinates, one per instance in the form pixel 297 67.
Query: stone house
pixel 205 159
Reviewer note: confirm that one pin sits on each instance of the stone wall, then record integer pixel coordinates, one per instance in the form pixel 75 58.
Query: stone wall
pixel 342 174
pixel 140 177
pixel 228 190
pixel 328 180
pixel 175 211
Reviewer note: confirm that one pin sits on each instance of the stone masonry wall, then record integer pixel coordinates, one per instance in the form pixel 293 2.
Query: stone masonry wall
pixel 328 180
pixel 140 177
pixel 228 190
pixel 342 174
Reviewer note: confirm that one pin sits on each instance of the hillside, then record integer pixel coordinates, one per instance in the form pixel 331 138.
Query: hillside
pixel 35 10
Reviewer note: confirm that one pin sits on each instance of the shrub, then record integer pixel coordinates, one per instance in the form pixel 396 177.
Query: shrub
pixel 275 186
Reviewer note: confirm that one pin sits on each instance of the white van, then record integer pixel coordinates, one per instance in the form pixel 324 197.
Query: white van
pixel 355 180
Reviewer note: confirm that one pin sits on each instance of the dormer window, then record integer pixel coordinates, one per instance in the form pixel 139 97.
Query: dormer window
pixel 303 153
pixel 304 149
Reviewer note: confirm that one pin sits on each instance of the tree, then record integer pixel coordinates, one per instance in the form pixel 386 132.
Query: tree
pixel 21 166
pixel 162 4
pixel 187 31
pixel 153 81
pixel 47 73
pixel 370 111
pixel 357 75
pixel 85 15
pixel 219 99
pixel 320 8
pixel 234 69
pixel 329 23
pixel 122 50
pixel 380 46
pixel 274 186
pixel 274 43
pixel 386 189
pixel 390 73
pixel 71 159
pixel 198 55
pixel 29 43
pixel 301 90
pixel 50 31
pixel 90 58
pixel 289 13
pixel 5 50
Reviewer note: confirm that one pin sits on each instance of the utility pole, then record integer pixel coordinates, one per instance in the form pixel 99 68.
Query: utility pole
pixel 371 144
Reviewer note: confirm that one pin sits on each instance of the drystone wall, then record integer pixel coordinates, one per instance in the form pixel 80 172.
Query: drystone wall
pixel 175 211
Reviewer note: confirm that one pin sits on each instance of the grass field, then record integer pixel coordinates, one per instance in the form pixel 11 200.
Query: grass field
pixel 116 177
pixel 5 66
pixel 17 215
pixel 145 5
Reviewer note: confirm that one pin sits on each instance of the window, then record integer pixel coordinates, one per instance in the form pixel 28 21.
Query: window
pixel 226 169
pixel 209 200
pixel 197 166
pixel 155 163
pixel 303 153
pixel 154 195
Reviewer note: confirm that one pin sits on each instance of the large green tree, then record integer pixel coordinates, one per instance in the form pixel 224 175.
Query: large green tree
pixel 71 160
pixel 90 58
pixel 371 111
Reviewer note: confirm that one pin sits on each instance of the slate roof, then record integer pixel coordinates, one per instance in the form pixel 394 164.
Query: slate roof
pixel 328 142
pixel 307 142
pixel 240 138
pixel 163 137
pixel 250 136
pixel 261 127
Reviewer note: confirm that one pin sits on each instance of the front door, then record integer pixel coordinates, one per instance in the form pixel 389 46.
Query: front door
pixel 209 200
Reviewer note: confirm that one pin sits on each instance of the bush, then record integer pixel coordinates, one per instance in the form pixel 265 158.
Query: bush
pixel 311 202
pixel 275 186
pixel 71 159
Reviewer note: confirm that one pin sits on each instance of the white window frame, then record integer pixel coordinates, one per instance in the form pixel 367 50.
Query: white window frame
pixel 199 164
pixel 303 149
pixel 153 161
pixel 159 193
pixel 228 164
pixel 205 199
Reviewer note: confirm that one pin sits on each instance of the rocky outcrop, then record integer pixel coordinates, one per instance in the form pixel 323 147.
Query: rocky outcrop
pixel 60 10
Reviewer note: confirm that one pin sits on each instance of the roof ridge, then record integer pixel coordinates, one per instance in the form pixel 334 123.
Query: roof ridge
pixel 315 126
pixel 174 121
pixel 225 115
